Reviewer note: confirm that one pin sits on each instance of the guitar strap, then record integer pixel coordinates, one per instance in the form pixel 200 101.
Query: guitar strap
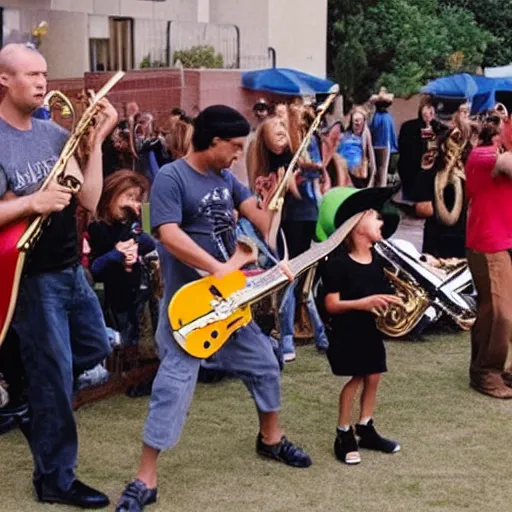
pixel 73 170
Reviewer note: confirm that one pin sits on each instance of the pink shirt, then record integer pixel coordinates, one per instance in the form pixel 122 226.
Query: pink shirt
pixel 489 226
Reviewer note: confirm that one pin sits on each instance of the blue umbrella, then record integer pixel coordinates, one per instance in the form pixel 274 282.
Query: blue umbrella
pixel 454 86
pixel 479 90
pixel 286 81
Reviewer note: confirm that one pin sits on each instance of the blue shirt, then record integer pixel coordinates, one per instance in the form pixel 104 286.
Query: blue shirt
pixel 351 149
pixel 383 132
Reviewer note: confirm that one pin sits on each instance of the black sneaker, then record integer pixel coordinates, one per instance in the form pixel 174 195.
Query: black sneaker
pixel 135 497
pixel 284 451
pixel 346 444
pixel 370 439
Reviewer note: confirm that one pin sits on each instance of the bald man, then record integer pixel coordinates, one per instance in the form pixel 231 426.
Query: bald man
pixel 58 318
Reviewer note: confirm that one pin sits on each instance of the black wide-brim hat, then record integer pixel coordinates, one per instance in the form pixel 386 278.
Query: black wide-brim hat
pixel 342 203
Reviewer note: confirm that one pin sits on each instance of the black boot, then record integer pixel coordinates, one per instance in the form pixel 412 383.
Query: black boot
pixel 346 444
pixel 370 439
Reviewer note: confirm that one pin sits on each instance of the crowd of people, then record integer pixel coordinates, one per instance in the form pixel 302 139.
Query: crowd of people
pixel 197 209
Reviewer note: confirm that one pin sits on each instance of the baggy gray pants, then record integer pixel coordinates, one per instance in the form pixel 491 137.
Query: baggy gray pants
pixel 247 354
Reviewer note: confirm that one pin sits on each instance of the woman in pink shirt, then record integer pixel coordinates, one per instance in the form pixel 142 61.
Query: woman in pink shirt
pixel 489 240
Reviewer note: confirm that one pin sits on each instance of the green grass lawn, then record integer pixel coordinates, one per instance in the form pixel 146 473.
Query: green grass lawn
pixel 456 444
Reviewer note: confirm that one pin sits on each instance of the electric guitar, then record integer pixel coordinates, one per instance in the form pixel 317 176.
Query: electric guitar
pixel 19 237
pixel 205 313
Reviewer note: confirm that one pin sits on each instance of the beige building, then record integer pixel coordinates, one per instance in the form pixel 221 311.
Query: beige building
pixel 92 35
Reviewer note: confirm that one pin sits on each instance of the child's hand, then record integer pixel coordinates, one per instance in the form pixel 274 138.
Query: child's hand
pixel 132 255
pixel 378 304
pixel 129 249
pixel 125 246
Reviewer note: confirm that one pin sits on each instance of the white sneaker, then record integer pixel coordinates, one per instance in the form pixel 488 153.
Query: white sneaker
pixel 289 357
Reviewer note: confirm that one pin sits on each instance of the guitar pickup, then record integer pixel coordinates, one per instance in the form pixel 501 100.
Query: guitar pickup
pixel 215 292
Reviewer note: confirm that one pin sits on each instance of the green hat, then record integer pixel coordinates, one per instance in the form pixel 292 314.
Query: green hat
pixel 342 203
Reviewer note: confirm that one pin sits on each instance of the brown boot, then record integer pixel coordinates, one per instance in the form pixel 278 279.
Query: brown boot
pixel 507 378
pixel 491 384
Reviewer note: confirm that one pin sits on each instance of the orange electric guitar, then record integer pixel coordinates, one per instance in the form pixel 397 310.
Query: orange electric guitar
pixel 205 313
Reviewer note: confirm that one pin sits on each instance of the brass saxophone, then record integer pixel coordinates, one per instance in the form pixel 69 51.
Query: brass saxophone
pixel 452 173
pixel 32 233
pixel 425 292
pixel 401 319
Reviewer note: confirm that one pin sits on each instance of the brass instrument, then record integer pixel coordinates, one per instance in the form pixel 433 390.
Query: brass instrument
pixel 399 320
pixel 452 173
pixel 276 200
pixel 427 292
pixel 33 231
pixel 53 98
pixel 501 110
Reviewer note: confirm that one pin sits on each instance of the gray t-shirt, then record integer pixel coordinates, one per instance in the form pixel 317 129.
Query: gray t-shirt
pixel 203 206
pixel 27 157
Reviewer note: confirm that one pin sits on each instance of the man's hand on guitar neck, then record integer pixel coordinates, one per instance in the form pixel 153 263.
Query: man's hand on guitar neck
pixel 286 270
pixel 53 199
pixel 42 202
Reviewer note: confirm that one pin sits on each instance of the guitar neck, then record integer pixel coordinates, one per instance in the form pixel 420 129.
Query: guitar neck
pixel 265 283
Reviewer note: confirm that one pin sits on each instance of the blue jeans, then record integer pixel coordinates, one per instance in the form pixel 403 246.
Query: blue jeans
pixel 62 333
pixel 287 320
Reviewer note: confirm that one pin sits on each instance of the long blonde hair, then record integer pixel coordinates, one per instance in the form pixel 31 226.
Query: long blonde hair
pixel 179 141
pixel 257 153
pixel 463 125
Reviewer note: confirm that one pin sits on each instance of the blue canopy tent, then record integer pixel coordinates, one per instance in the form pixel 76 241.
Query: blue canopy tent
pixel 490 91
pixel 287 81
pixel 480 91
pixel 454 86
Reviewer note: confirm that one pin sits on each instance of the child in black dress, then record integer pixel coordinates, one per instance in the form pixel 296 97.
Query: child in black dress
pixel 355 290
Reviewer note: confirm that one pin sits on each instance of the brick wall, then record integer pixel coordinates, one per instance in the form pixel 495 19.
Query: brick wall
pixel 158 91
pixel 404 109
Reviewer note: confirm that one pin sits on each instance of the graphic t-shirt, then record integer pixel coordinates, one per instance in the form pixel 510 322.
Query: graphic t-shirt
pixel 203 206
pixel 27 157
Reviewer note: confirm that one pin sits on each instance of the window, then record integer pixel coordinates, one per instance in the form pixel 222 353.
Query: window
pixel 111 47
pixel 11 27
pixel 99 55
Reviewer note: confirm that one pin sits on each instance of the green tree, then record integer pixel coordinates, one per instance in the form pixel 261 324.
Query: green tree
pixel 201 56
pixel 147 62
pixel 494 16
pixel 401 44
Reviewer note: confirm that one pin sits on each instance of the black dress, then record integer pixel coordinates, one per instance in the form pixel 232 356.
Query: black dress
pixel 356 346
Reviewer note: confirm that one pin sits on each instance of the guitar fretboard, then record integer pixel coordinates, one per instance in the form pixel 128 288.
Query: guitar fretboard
pixel 265 283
